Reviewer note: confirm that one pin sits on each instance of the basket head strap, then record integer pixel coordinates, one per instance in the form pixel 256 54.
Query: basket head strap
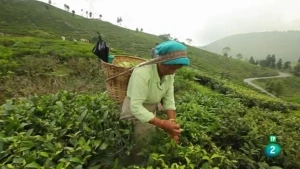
pixel 159 59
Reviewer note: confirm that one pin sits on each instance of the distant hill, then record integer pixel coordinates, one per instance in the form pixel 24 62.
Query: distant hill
pixel 283 45
pixel 38 19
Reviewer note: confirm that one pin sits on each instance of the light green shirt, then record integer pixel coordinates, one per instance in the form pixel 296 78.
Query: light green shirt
pixel 146 87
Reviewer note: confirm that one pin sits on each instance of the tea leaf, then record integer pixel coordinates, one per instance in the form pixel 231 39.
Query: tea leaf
pixel 103 146
pixel 18 160
pixel 75 160
pixel 33 165
pixel 44 154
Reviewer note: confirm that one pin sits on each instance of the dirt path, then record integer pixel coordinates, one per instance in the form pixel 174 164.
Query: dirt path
pixel 249 81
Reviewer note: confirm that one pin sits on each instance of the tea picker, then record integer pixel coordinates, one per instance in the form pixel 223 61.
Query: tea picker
pixel 140 88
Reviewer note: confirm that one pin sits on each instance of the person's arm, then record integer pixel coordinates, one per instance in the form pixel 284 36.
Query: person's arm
pixel 169 101
pixel 138 95
pixel 171 114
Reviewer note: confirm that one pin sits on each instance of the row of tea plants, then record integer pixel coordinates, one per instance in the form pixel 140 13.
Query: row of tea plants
pixel 69 130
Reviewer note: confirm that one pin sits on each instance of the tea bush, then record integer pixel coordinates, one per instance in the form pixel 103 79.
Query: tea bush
pixel 61 131
pixel 69 130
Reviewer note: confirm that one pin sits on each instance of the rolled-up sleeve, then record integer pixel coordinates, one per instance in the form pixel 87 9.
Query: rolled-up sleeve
pixel 168 99
pixel 138 95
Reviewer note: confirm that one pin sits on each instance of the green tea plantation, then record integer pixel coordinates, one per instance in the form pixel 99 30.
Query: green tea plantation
pixel 69 130
pixel 55 113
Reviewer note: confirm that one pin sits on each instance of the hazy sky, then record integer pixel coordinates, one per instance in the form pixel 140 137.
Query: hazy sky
pixel 204 21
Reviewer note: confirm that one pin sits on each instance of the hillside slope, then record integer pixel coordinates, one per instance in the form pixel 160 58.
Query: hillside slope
pixel 33 18
pixel 66 120
pixel 283 44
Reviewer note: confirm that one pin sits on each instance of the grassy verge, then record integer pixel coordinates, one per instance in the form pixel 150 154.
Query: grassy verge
pixel 291 86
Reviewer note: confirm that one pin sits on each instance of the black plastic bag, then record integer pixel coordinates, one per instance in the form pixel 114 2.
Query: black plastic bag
pixel 101 50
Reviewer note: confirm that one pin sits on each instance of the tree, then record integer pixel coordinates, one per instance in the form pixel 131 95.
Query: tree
pixel 165 37
pixel 73 13
pixel 189 40
pixel 137 29
pixel 91 14
pixel 287 65
pixel 168 36
pixel 119 20
pixel 297 69
pixel 279 64
pixel 262 63
pixel 141 30
pixel 273 62
pixel 268 60
pixel 49 2
pixel 252 61
pixel 299 60
pixel 87 13
pixel 67 8
pixel 100 16
pixel 82 12
pixel 239 56
pixel 226 51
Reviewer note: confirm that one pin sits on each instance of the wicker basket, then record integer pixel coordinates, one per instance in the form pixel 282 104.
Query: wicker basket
pixel 117 86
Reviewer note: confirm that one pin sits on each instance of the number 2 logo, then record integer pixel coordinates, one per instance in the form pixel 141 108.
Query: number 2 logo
pixel 272 151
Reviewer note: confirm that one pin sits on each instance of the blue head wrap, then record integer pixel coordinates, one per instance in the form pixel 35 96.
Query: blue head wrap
pixel 174 50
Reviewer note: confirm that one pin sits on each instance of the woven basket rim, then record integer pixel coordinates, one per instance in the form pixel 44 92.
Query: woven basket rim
pixel 125 56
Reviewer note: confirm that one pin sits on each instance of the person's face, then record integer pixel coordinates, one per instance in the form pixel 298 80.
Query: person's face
pixel 168 69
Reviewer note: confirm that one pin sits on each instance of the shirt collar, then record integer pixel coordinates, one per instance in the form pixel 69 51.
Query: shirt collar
pixel 155 75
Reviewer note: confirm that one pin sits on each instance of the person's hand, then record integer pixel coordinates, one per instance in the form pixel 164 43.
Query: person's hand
pixel 175 138
pixel 171 127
